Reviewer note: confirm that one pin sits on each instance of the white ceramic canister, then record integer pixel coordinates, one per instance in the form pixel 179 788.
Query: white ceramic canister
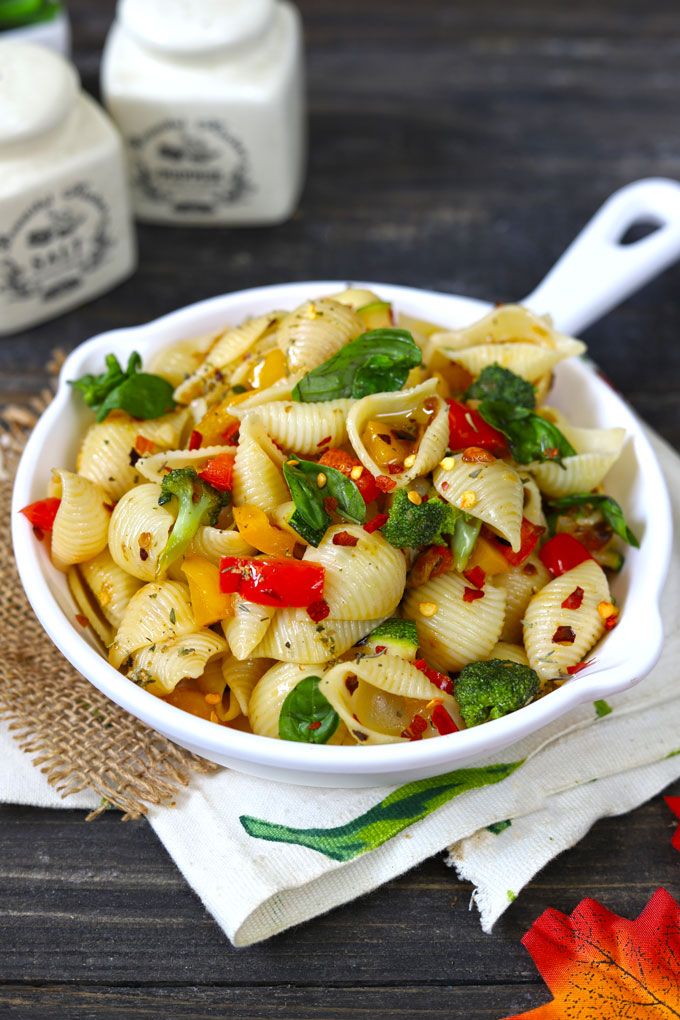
pixel 209 96
pixel 66 231
pixel 38 21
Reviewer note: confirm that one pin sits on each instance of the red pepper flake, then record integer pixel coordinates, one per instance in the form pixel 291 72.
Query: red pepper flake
pixel 318 610
pixel 564 636
pixel 475 576
pixel 144 445
pixel 445 486
pixel 344 538
pixel 314 725
pixel 472 594
pixel 82 620
pixel 143 554
pixel 551 453
pixel 571 670
pixel 230 434
pixel 351 683
pixel 395 469
pixel 440 680
pixel 418 725
pixel 385 484
pixel 376 522
pixel 611 622
pixel 195 440
pixel 443 721
pixel 574 600
pixel 326 439
pixel 330 504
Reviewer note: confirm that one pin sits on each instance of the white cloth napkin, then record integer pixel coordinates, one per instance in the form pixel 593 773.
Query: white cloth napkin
pixel 582 767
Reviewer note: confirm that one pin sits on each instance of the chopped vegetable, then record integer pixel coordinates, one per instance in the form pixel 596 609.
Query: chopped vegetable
pixel 529 436
pixel 208 603
pixel 41 514
pixel 398 637
pixel 257 529
pixel 431 563
pixel 441 680
pixel 272 581
pixel 491 689
pixel 562 553
pixel 411 524
pixel 199 504
pixel 354 469
pixel 142 395
pixel 219 472
pixel 468 428
pixel 375 523
pixel 375 362
pixel 488 556
pixel 443 721
pixel 496 383
pixel 306 715
pixel 608 507
pixel 529 536
pixel 309 488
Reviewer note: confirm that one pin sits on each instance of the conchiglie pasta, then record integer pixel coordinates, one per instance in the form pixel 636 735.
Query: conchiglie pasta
pixel 246 628
pixel 597 450
pixel 241 676
pixel 293 636
pixel 556 638
pixel 87 607
pixel 139 531
pixel 156 613
pixel 315 331
pixel 156 466
pixel 160 667
pixel 81 526
pixel 398 408
pixel 492 492
pixel 258 478
pixel 181 359
pixel 520 584
pixel 509 653
pixel 306 428
pixel 377 697
pixel 457 632
pixel 361 582
pixel 271 691
pixel 111 586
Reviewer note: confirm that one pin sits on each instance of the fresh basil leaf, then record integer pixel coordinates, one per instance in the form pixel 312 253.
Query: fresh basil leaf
pixel 530 437
pixel 497 383
pixel 608 507
pixel 378 361
pixel 306 715
pixel 302 480
pixel 141 394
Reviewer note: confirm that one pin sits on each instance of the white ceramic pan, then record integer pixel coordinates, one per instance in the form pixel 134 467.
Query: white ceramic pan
pixel 595 274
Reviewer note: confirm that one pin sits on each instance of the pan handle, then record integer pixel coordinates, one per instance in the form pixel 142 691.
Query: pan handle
pixel 597 272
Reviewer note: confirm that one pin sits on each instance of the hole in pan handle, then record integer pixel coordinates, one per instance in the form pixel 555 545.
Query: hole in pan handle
pixel 600 268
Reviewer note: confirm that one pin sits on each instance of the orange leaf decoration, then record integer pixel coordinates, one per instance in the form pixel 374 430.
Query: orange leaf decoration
pixel 600 966
pixel 674 805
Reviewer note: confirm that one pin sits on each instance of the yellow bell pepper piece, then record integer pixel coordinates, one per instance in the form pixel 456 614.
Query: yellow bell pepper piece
pixel 488 557
pixel 208 603
pixel 256 529
pixel 268 370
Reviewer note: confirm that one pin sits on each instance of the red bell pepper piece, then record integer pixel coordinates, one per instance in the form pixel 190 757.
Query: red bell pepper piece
pixel 443 721
pixel 195 440
pixel 42 513
pixel 529 537
pixel 219 472
pixel 562 553
pixel 344 462
pixel 272 581
pixel 468 428
pixel 440 680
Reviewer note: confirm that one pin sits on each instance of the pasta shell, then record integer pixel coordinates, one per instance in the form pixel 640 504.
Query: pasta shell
pixel 306 428
pixel 88 608
pixel 139 531
pixel 509 653
pixel 520 585
pixel 246 628
pixel 241 676
pixel 160 667
pixel 383 406
pixel 457 632
pixel 180 360
pixel 294 637
pixel 110 585
pixel 81 526
pixel 271 691
pixel 258 479
pixel 492 492
pixel 545 614
pixel 315 331
pixel 156 613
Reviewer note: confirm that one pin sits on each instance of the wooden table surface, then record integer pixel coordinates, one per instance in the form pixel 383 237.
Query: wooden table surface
pixel 458 146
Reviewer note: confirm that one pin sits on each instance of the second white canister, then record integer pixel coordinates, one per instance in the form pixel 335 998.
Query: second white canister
pixel 209 97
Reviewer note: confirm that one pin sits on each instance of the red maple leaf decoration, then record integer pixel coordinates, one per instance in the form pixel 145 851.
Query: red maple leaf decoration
pixel 674 805
pixel 600 966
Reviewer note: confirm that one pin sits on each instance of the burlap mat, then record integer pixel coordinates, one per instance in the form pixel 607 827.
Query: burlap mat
pixel 75 736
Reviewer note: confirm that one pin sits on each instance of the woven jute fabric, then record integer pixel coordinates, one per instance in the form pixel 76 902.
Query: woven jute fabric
pixel 73 733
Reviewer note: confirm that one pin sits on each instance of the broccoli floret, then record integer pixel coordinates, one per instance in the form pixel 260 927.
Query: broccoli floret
pixel 489 690
pixel 496 383
pixel 199 504
pixel 411 525
pixel 398 637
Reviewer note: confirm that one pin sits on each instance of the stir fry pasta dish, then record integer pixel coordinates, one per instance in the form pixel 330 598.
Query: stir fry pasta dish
pixel 339 524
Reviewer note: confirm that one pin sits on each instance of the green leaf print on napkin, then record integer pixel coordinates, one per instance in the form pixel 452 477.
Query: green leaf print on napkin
pixel 403 807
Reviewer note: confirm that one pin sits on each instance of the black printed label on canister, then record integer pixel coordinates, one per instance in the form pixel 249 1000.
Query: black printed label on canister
pixel 54 244
pixel 192 167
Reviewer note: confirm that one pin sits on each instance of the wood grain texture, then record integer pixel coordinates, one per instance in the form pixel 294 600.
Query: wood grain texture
pixel 452 146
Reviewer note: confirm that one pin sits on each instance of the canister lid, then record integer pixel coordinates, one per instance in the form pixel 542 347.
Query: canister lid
pixel 194 26
pixel 38 88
